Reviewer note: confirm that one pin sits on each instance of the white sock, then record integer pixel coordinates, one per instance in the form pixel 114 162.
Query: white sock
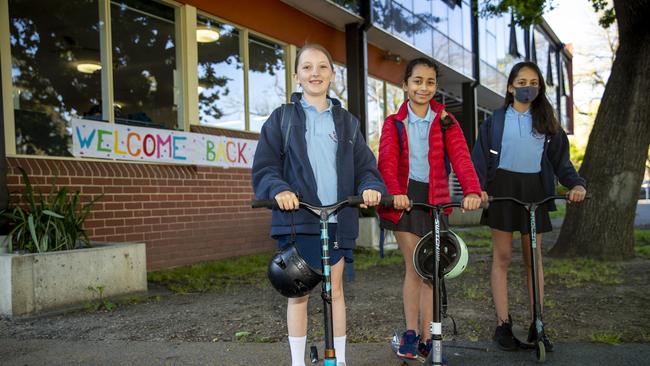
pixel 297 345
pixel 339 348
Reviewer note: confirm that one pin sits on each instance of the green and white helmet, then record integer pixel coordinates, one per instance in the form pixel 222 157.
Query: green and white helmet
pixel 453 255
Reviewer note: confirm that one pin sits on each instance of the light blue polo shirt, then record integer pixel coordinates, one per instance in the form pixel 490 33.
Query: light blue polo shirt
pixel 322 144
pixel 521 147
pixel 418 135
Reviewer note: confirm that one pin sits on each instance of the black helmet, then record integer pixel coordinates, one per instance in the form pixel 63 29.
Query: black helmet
pixel 453 255
pixel 290 274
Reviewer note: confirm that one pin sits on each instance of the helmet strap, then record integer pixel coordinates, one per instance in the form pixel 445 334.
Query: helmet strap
pixel 292 241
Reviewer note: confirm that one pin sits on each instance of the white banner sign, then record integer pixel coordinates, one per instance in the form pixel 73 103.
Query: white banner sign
pixel 115 141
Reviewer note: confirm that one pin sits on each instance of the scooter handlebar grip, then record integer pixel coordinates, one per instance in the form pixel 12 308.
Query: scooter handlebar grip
pixel 386 200
pixel 355 200
pixel 264 204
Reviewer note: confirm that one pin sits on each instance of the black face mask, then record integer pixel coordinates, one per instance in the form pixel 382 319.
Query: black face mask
pixel 525 94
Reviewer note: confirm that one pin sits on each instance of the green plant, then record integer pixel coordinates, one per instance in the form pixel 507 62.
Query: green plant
pixel 101 302
pixel 559 213
pixel 581 272
pixel 606 337
pixel 642 242
pixel 47 223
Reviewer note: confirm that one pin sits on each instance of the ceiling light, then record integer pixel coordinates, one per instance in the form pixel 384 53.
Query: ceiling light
pixel 88 67
pixel 205 34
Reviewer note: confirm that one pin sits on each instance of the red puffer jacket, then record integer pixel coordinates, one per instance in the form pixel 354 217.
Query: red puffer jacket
pixel 394 167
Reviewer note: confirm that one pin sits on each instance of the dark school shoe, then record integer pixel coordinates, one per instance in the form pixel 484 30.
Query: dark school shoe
pixel 504 338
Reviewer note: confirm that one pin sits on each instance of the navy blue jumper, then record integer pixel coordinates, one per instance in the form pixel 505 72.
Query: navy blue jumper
pixel 355 165
pixel 555 157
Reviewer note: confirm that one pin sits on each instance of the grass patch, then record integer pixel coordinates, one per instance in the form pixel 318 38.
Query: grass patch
pixel 246 270
pixel 478 240
pixel 549 303
pixel 474 292
pixel 475 233
pixel 606 337
pixel 560 212
pixel 579 272
pixel 215 275
pixel 365 258
pixel 642 243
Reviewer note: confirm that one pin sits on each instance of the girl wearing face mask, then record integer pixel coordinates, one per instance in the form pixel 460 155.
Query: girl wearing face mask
pixel 412 162
pixel 521 148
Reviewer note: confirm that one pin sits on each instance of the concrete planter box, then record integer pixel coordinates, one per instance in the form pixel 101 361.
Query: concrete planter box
pixel 36 283
pixel 369 234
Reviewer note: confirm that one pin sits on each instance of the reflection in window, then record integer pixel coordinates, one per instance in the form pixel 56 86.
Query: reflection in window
pixel 566 91
pixel 55 71
pixel 424 41
pixel 564 119
pixel 440 47
pixel 221 77
pixel 402 18
pixel 456 56
pixel 339 88
pixel 375 112
pixel 351 5
pixel 456 24
pixel 541 49
pixel 394 98
pixel 266 80
pixel 145 77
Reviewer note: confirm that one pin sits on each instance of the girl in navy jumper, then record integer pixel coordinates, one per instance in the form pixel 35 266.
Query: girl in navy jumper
pixel 325 160
pixel 413 167
pixel 519 151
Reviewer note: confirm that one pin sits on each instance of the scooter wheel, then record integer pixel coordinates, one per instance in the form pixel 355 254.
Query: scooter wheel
pixel 540 351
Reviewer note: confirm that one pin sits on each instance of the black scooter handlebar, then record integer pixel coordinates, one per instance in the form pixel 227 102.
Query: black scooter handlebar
pixel 350 201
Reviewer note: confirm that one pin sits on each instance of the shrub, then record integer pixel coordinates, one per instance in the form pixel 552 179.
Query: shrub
pixel 43 224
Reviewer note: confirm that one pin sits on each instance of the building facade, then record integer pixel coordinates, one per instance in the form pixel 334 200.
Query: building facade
pixel 219 68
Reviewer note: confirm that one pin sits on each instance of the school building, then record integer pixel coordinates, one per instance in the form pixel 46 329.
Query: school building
pixel 171 96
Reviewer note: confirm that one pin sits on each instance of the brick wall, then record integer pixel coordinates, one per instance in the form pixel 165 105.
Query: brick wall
pixel 184 214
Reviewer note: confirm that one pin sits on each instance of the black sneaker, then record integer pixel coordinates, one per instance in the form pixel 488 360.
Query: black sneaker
pixel 548 345
pixel 506 341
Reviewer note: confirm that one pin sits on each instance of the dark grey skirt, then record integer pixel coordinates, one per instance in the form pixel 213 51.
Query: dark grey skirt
pixel 509 216
pixel 417 221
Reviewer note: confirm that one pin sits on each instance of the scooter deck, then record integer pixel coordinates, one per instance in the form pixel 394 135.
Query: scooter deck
pixel 394 345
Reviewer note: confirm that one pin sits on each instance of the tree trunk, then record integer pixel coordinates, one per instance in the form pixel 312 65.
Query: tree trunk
pixel 603 226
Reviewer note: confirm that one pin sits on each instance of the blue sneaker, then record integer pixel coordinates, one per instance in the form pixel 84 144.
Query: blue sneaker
pixel 425 348
pixel 408 347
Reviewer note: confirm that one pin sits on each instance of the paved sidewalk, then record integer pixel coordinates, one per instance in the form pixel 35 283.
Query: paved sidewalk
pixel 62 352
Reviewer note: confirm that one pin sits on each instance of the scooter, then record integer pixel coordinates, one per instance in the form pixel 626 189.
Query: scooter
pixel 323 213
pixel 536 330
pixel 435 356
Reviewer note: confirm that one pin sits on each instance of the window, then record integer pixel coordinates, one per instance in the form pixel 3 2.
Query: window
pixel 376 116
pixel 339 88
pixel 394 98
pixel 54 71
pixel 456 24
pixel 541 50
pixel 146 81
pixel 266 80
pixel 566 91
pixel 221 77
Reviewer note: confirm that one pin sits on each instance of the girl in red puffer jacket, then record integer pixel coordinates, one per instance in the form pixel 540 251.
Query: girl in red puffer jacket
pixel 412 163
